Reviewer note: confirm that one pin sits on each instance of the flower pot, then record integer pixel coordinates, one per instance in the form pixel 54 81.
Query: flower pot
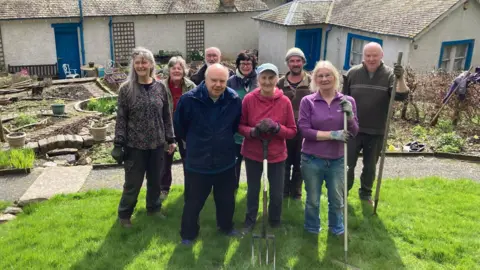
pixel 91 64
pixel 99 133
pixel 16 139
pixel 58 109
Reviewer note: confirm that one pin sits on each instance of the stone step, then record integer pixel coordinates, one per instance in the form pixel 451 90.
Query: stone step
pixel 56 180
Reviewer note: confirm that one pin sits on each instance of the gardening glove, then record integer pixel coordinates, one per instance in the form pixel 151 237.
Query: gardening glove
pixel 267 125
pixel 117 153
pixel 347 108
pixel 255 132
pixel 340 135
pixel 398 70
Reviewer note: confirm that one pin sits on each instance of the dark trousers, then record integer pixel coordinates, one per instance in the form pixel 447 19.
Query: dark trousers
pixel 372 147
pixel 166 181
pixel 238 164
pixel 200 186
pixel 293 174
pixel 136 163
pixel 276 172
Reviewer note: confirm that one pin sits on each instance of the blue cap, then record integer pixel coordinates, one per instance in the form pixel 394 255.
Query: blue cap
pixel 267 66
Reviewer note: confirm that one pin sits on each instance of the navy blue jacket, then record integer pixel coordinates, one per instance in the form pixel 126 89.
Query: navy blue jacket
pixel 208 129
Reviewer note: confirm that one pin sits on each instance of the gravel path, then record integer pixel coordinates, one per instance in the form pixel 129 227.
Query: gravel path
pixel 395 167
pixel 13 187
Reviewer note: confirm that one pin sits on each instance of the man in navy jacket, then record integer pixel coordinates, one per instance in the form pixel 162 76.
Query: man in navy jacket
pixel 206 118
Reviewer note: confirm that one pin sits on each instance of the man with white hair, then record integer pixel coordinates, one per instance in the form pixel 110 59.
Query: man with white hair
pixel 206 118
pixel 370 84
pixel 213 55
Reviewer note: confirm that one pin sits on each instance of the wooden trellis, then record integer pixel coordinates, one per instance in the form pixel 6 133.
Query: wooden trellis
pixel 123 41
pixel 2 58
pixel 195 33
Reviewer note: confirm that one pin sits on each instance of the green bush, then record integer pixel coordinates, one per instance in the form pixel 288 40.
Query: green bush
pixel 444 126
pixel 24 119
pixel 104 105
pixel 450 143
pixel 420 132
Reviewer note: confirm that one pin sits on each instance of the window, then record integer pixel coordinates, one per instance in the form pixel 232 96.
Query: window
pixel 354 49
pixel 456 55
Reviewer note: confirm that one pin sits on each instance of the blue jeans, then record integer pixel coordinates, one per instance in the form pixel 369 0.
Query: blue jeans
pixel 315 171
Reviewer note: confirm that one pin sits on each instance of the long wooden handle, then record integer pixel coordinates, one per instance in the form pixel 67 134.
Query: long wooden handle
pixel 385 136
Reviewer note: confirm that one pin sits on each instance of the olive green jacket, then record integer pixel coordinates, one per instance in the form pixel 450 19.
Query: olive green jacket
pixel 187 85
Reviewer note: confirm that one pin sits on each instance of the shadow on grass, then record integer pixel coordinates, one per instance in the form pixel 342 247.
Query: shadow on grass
pixel 369 244
pixel 121 246
pixel 212 249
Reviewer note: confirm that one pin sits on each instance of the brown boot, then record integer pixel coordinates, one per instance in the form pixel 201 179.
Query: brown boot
pixel 125 222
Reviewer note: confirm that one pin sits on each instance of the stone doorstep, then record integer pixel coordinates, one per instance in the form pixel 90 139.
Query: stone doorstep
pixel 56 180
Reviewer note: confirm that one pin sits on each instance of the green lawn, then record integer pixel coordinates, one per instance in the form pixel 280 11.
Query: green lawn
pixel 422 224
pixel 3 205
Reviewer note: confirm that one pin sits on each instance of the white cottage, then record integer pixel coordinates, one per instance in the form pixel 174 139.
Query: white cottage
pixel 49 33
pixel 430 33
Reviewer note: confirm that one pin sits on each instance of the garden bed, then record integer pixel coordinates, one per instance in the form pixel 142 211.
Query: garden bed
pixel 16 161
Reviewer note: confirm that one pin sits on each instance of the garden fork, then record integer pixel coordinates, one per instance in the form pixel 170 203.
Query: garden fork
pixel 269 238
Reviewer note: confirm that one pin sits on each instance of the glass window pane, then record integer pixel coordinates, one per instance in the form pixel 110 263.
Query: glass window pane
pixel 355 59
pixel 461 50
pixel 444 65
pixel 357 45
pixel 458 64
pixel 446 52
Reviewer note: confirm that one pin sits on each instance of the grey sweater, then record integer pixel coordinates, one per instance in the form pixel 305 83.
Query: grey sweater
pixel 144 120
pixel 372 96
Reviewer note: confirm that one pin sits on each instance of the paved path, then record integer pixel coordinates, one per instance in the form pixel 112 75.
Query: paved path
pixel 55 180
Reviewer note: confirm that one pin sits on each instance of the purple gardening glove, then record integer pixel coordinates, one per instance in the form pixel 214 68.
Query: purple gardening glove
pixel 267 125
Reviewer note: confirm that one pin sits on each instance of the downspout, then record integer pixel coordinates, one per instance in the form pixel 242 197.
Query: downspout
pixel 82 43
pixel 329 28
pixel 110 29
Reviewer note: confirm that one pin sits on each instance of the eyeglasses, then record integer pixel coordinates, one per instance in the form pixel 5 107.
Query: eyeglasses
pixel 246 64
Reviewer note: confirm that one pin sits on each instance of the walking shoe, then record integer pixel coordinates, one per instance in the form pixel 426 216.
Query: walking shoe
pixel 187 242
pixel 234 233
pixel 163 195
pixel 125 222
pixel 156 214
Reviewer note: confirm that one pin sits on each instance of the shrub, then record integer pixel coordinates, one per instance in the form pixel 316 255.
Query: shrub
pixel 428 90
pixel 104 105
pixel 24 119
pixel 450 143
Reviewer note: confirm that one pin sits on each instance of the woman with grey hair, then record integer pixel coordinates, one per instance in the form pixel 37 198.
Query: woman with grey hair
pixel 176 85
pixel 143 128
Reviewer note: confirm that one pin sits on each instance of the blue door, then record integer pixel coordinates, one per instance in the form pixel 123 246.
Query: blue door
pixel 66 43
pixel 309 41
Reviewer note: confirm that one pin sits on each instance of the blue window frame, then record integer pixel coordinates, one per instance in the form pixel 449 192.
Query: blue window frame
pixel 456 55
pixel 354 49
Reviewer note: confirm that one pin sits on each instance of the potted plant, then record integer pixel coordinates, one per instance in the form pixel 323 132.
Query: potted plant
pixel 58 107
pixel 99 130
pixel 16 139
